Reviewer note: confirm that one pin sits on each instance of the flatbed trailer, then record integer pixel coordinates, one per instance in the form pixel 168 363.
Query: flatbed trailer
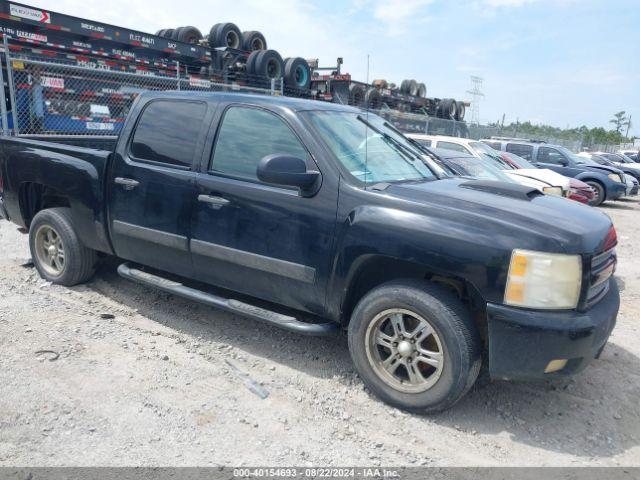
pixel 223 57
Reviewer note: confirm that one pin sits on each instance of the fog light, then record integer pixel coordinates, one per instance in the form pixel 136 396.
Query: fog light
pixel 555 365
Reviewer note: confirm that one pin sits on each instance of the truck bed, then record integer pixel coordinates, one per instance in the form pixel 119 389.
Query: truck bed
pixel 74 166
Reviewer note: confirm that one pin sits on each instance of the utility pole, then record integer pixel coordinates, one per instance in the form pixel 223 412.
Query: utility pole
pixel 476 94
pixel 628 127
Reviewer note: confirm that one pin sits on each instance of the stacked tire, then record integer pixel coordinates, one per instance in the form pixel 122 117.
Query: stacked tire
pixel 450 109
pixel 413 88
pixel 181 34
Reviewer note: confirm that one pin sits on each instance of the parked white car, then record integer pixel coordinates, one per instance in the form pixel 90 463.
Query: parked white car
pixel 545 180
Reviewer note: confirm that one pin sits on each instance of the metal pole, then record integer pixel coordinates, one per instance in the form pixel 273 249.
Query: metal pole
pixel 282 87
pixel 3 103
pixel 178 73
pixel 273 86
pixel 12 89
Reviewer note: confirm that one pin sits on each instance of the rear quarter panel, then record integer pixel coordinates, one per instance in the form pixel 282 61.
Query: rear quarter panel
pixel 75 172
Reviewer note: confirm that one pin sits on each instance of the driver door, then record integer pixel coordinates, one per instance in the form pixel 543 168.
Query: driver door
pixel 248 236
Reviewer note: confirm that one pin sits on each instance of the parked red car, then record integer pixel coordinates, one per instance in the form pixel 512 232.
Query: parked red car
pixel 580 191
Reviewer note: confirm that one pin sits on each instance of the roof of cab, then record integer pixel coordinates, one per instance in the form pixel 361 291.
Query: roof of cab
pixel 295 104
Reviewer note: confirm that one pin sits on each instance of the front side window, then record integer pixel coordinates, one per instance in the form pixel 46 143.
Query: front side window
pixel 167 132
pixel 246 136
pixel 551 155
pixel 368 149
pixel 524 151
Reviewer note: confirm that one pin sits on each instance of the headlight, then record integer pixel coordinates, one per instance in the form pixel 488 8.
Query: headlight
pixel 543 280
pixel 616 178
pixel 557 191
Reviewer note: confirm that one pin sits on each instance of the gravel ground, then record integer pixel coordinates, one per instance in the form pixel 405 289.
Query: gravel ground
pixel 144 378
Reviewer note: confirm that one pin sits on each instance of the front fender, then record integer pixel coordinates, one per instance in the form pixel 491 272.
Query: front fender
pixel 462 248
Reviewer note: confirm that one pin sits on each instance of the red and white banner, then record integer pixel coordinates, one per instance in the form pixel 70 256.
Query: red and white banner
pixel 52 82
pixel 29 13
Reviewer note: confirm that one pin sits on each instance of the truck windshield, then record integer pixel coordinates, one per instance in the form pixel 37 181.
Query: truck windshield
pixel 368 149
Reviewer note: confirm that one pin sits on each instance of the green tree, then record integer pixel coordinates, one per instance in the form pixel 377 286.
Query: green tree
pixel 620 120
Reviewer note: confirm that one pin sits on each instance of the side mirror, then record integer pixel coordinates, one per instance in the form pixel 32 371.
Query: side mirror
pixel 289 171
pixel 563 162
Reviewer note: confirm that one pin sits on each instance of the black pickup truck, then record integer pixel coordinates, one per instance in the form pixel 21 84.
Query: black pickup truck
pixel 319 218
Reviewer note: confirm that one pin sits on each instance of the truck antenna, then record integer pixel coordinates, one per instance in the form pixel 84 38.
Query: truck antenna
pixel 366 132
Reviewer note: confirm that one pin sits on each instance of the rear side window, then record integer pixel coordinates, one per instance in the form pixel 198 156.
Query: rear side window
pixel 425 143
pixel 246 136
pixel 452 146
pixel 524 151
pixel 167 132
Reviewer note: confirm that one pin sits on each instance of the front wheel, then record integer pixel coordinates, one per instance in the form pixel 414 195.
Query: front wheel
pixel 599 193
pixel 414 345
pixel 57 252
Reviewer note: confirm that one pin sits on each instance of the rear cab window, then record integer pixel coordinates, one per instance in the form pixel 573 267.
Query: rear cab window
pixel 167 133
pixel 494 145
pixel 453 146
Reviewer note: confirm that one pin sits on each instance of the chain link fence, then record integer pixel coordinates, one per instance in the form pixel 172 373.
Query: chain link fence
pixel 57 98
pixel 43 95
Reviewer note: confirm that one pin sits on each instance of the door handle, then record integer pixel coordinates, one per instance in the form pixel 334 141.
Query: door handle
pixel 215 202
pixel 127 183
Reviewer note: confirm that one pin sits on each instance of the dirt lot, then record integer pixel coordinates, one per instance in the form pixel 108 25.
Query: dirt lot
pixel 153 386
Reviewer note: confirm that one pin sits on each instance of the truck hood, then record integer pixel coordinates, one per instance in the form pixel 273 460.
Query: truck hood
pixel 571 226
pixel 602 168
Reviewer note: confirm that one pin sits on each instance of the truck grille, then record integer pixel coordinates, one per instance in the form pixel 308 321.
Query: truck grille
pixel 602 268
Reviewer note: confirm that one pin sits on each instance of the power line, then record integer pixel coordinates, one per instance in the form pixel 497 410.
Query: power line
pixel 476 94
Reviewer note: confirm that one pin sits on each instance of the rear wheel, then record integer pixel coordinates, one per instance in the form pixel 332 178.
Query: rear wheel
pixel 599 193
pixel 414 345
pixel 56 250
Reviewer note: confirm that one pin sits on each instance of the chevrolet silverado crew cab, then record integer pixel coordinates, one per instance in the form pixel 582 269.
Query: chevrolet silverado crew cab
pixel 317 218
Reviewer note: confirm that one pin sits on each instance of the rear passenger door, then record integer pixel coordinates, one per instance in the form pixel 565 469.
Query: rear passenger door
pixel 262 240
pixel 152 184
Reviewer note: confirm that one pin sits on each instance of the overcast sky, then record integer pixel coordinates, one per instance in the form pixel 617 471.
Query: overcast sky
pixel 561 62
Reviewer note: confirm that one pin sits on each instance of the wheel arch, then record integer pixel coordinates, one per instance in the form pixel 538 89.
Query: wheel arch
pixel 371 271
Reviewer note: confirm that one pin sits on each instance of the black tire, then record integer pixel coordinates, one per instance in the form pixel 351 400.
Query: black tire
pixel 251 63
pixel 356 95
pixel 600 191
pixel 405 86
pixel 447 108
pixel 168 33
pixel 413 88
pixel 79 261
pixel 189 35
pixel 175 33
pixel 460 111
pixel 373 99
pixel 253 40
pixel 268 65
pixel 225 35
pixel 160 33
pixel 449 319
pixel 297 74
pixel 422 90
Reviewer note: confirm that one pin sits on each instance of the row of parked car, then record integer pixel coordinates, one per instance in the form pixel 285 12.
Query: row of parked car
pixel 589 177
